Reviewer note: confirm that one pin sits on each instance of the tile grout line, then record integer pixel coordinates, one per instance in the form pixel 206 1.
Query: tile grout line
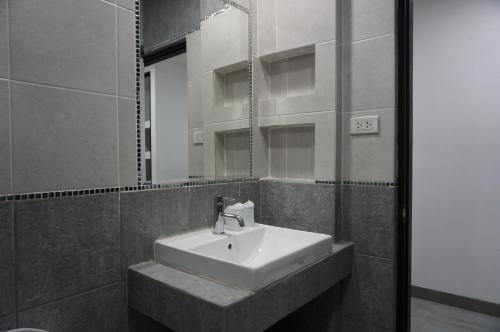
pixel 11 147
pixel 116 101
pixel 9 106
pixel 371 38
pixel 62 298
pixel 52 86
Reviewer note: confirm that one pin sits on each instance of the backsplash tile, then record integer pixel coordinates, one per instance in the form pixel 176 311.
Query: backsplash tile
pixel 65 246
pixel 7 282
pixel 303 206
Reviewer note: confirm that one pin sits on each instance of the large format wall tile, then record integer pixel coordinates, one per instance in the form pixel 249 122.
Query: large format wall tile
pixel 7 322
pixel 160 21
pixel 69 43
pixel 63 139
pixel 369 78
pixel 65 246
pixel 130 4
pixel 126 53
pixel 4 40
pixel 364 19
pixel 189 15
pixel 208 7
pixel 149 215
pixel 303 206
pixel 370 157
pixel 141 216
pixel 368 216
pixel 94 311
pixel 5 157
pixel 369 294
pixel 127 130
pixel 7 296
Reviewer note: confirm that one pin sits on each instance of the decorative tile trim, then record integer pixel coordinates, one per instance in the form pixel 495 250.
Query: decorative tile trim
pixel 326 182
pixel 96 191
pixel 250 91
pixel 138 76
pixel 370 183
pixel 237 5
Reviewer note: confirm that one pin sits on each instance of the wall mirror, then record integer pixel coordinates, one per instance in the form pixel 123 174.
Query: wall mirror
pixel 195 91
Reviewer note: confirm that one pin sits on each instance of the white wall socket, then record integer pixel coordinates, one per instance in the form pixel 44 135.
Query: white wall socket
pixel 364 125
pixel 198 137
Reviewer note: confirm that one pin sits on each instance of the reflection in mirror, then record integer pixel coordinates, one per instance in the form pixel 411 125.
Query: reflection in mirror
pixel 195 107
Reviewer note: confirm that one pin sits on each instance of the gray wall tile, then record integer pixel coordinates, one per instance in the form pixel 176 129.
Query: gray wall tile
pixel 208 7
pixel 148 215
pixel 202 202
pixel 369 294
pixel 7 323
pixel 250 191
pixel 126 53
pixel 127 131
pixel 141 216
pixel 303 206
pixel 189 15
pixel 65 246
pixel 4 39
pixel 5 180
pixel 364 19
pixel 95 311
pixel 130 4
pixel 159 21
pixel 368 216
pixel 7 296
pixel 51 44
pixel 369 78
pixel 63 139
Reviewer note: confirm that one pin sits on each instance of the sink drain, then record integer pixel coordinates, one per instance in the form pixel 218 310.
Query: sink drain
pixel 229 246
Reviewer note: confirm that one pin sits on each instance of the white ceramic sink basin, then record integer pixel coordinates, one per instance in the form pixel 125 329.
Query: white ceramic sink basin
pixel 249 259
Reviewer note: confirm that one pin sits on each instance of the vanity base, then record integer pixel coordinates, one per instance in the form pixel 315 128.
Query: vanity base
pixel 187 302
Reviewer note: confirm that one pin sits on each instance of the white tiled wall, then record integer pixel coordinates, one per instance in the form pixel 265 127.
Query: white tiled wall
pixel 369 88
pixel 295 84
pixel 218 90
pixel 70 95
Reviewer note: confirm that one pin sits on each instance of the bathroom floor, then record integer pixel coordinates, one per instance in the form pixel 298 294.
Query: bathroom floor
pixel 429 316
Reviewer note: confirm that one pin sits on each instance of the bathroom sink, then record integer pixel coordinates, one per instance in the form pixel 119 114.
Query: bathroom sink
pixel 249 259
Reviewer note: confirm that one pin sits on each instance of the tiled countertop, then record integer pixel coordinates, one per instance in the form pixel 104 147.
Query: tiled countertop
pixel 187 302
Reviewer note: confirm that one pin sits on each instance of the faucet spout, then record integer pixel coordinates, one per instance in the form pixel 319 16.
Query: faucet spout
pixel 219 212
pixel 240 220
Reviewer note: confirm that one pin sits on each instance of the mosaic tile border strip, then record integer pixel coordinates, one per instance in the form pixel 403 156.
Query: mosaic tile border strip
pixel 370 183
pixel 95 191
pixel 138 74
pixel 250 91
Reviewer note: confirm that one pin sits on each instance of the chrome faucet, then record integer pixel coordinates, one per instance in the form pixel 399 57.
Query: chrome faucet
pixel 219 208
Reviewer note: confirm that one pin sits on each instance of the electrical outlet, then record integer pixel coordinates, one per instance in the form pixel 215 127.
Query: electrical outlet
pixel 364 125
pixel 198 137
